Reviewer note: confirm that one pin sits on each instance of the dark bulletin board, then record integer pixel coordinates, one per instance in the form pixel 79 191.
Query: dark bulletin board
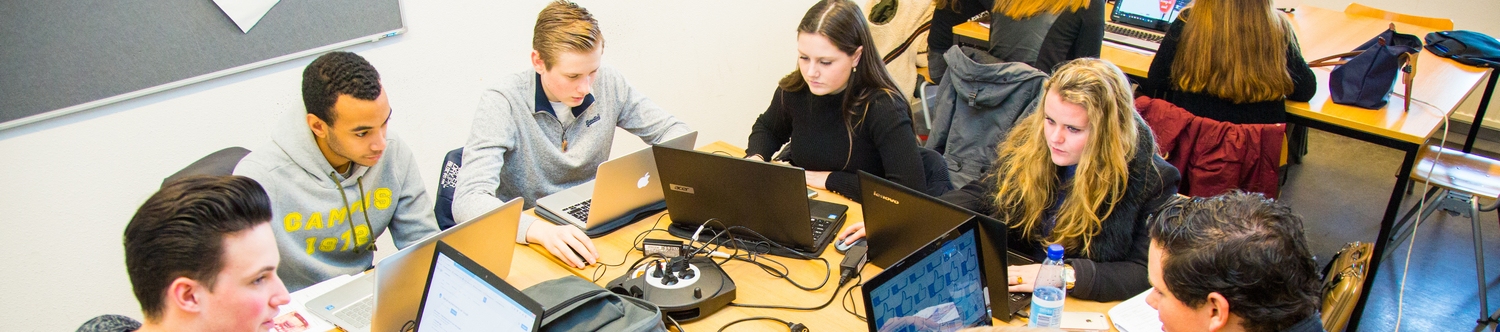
pixel 63 56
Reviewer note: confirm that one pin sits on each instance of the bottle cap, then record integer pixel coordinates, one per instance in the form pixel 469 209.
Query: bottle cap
pixel 1055 251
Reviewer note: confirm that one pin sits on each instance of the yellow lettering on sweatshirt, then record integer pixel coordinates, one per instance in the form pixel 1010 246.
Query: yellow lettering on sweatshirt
pixel 336 216
pixel 328 244
pixel 382 198
pixel 316 222
pixel 292 222
pixel 310 248
pixel 345 238
pixel 362 234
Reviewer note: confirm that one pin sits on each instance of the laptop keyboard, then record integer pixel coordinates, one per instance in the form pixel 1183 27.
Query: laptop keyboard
pixel 1133 33
pixel 358 314
pixel 819 226
pixel 580 210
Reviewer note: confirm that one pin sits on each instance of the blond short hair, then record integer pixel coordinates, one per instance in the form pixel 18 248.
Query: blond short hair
pixel 565 26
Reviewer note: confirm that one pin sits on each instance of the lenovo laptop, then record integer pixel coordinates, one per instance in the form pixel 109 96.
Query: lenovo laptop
pixel 939 285
pixel 386 298
pixel 624 187
pixel 763 205
pixel 899 221
pixel 462 295
pixel 1142 23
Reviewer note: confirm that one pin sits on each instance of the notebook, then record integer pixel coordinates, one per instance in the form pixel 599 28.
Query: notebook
pixel 462 295
pixel 937 288
pixel 750 198
pixel 622 188
pixel 1142 23
pixel 899 220
pixel 386 299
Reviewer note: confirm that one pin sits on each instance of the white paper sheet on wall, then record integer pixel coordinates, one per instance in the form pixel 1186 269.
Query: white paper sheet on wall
pixel 245 13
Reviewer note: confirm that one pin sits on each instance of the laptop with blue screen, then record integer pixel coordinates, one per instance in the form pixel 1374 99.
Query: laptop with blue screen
pixel 461 295
pixel 937 288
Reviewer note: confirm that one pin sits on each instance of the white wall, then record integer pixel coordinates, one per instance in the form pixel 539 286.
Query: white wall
pixel 69 185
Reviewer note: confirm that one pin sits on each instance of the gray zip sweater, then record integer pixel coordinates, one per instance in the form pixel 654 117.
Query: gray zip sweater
pixel 515 148
pixel 313 221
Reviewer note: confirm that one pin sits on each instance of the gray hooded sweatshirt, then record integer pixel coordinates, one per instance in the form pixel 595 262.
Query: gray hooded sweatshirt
pixel 313 217
pixel 978 102
pixel 516 147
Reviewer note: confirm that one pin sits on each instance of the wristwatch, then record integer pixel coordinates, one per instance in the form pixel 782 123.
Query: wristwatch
pixel 1068 276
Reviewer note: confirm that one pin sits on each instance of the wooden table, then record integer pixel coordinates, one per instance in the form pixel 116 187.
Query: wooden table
pixel 1441 85
pixel 753 285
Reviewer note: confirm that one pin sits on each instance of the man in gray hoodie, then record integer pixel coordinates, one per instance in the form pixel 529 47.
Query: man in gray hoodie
pixel 336 178
pixel 548 127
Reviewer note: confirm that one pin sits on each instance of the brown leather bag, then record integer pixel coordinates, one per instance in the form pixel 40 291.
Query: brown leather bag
pixel 1343 282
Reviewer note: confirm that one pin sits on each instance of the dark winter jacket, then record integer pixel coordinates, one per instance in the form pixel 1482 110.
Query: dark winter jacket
pixel 1115 267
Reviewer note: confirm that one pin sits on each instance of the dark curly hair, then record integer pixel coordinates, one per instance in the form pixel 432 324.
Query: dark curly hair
pixel 334 74
pixel 180 230
pixel 1244 246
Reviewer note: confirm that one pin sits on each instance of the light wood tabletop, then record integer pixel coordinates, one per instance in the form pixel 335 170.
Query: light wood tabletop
pixel 754 286
pixel 1440 86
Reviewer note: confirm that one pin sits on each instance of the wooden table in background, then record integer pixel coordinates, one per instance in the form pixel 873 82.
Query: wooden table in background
pixel 1441 85
pixel 753 286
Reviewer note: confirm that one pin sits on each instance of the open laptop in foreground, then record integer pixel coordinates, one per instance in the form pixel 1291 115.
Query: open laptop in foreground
pixel 462 295
pixel 1142 23
pixel 760 197
pixel 899 221
pixel 936 288
pixel 623 188
pixel 386 298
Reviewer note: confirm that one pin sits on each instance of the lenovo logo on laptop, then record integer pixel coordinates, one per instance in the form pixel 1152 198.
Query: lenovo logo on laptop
pixel 682 188
pixel 884 197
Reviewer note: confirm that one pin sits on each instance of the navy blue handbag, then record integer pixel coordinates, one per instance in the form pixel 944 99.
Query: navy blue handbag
pixel 1366 76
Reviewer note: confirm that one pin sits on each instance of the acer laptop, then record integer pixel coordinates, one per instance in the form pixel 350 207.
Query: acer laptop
pixel 899 221
pixel 939 284
pixel 462 295
pixel 386 298
pixel 623 187
pixel 1142 23
pixel 763 205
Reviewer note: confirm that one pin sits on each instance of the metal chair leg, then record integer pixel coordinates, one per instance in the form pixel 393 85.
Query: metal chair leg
pixel 1404 226
pixel 1484 306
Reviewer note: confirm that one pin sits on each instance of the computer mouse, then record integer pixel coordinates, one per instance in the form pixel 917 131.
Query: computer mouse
pixel 841 247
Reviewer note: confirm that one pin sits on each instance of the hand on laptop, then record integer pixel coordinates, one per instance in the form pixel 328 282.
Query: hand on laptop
pixel 1027 276
pixel 854 232
pixel 564 242
pixel 817 179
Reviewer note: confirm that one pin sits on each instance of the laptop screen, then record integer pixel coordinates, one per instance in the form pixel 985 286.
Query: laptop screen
pixel 1154 14
pixel 460 300
pixel 932 290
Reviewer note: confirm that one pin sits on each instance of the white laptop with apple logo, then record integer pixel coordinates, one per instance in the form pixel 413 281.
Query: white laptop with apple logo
pixel 622 187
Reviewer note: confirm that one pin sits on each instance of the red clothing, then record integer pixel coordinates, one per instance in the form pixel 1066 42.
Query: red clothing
pixel 1215 156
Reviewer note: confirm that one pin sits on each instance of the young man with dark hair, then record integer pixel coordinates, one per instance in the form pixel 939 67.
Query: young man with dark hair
pixel 547 128
pixel 338 179
pixel 1233 262
pixel 201 257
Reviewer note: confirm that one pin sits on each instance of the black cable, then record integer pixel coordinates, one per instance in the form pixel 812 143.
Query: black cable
pixel 636 244
pixel 740 244
pixel 848 301
pixel 674 323
pixel 819 307
pixel 741 320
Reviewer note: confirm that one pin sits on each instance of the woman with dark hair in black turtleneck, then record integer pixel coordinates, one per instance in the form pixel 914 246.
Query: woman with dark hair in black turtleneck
pixel 840 110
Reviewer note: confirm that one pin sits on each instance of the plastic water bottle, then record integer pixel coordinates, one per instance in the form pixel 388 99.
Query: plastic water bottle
pixel 1047 298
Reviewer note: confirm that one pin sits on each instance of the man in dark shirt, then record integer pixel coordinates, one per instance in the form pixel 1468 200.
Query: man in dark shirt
pixel 1233 262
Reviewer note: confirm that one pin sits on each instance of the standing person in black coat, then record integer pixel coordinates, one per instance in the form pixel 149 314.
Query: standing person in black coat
pixel 1235 61
pixel 840 109
pixel 1081 171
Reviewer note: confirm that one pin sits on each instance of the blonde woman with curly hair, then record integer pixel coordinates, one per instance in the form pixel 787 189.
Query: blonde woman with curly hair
pixel 1082 171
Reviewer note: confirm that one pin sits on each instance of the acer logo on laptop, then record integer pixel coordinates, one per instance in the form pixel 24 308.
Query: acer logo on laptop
pixel 884 197
pixel 682 188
